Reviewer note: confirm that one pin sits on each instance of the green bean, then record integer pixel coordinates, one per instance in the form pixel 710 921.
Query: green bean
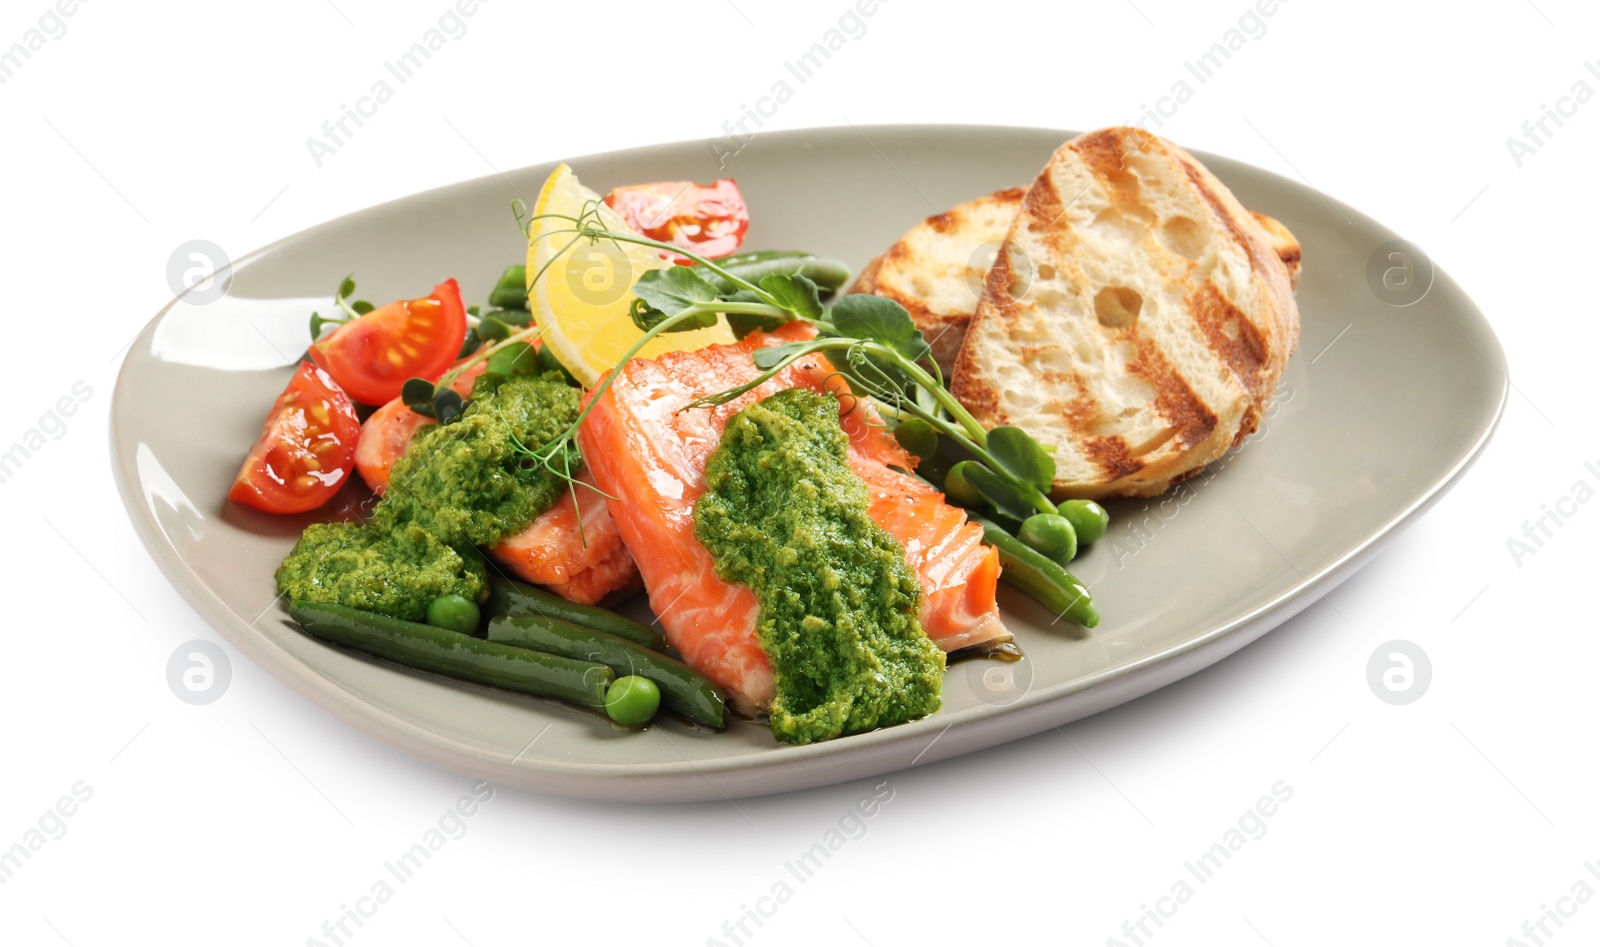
pixel 829 274
pixel 682 690
pixel 508 597
pixel 1038 575
pixel 511 290
pixel 457 655
pixel 517 318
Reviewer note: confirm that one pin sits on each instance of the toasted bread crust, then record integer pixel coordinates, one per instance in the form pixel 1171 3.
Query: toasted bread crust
pixel 1155 329
pixel 1284 243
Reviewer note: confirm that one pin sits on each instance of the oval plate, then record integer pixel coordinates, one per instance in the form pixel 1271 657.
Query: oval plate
pixel 1382 409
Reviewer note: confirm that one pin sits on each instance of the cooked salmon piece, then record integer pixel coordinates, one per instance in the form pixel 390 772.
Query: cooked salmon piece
pixel 611 574
pixel 648 453
pixel 573 548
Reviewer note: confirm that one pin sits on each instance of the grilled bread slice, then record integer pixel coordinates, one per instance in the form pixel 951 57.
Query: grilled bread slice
pixel 1153 330
pixel 937 269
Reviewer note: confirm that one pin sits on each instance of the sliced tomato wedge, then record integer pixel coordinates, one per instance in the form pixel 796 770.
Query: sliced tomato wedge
pixel 709 219
pixel 306 449
pixel 372 356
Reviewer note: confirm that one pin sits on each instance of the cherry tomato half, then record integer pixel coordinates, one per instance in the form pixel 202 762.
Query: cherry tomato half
pixel 709 219
pixel 372 356
pixel 306 449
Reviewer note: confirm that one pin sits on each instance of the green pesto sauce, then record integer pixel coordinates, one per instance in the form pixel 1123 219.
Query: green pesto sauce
pixel 468 482
pixel 458 486
pixel 394 572
pixel 784 515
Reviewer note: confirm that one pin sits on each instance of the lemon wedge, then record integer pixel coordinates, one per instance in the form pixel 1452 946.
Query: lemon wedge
pixel 581 303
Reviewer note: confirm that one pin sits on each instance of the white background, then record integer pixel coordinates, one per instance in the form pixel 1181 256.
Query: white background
pixel 1452 820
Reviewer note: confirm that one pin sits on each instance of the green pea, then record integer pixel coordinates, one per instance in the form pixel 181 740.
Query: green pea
pixel 1087 517
pixel 632 700
pixel 1051 535
pixel 960 489
pixel 454 613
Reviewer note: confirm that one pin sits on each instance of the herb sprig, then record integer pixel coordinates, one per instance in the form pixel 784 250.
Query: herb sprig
pixel 351 308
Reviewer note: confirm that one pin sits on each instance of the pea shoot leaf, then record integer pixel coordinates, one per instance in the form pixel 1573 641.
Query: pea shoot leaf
pixel 665 293
pixel 794 292
pixel 417 391
pixel 447 405
pixel 744 323
pixel 1006 498
pixel 879 319
pixel 1022 456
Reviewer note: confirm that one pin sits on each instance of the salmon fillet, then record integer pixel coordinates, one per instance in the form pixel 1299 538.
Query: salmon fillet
pixel 641 448
pixel 574 548
pixel 582 565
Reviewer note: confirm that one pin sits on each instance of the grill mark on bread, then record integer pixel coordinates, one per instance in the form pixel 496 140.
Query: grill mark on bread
pixel 1113 456
pixel 1252 240
pixel 1104 155
pixel 1245 353
pixel 1042 203
pixel 943 223
pixel 981 400
pixel 1213 200
pixel 1175 400
pixel 997 283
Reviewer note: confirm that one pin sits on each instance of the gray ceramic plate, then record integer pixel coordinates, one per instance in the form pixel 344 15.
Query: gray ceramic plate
pixel 1390 398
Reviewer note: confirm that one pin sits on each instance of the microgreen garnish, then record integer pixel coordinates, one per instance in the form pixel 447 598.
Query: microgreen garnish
pixel 352 308
pixel 873 342
pixel 877 348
